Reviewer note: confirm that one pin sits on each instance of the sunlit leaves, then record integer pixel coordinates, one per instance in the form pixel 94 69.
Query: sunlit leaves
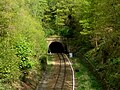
pixel 22 39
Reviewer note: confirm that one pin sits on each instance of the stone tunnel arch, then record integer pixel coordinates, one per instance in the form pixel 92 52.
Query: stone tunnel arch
pixel 56 47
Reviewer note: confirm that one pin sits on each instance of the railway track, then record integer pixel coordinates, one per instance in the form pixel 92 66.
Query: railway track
pixel 62 73
pixel 61 77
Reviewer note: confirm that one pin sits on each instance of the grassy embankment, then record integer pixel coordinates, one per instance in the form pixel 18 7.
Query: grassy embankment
pixel 22 43
pixel 85 80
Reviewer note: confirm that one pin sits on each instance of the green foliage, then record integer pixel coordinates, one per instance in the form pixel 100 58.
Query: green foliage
pixel 22 41
pixel 57 16
pixel 93 28
pixel 105 59
pixel 85 79
pixel 8 62
pixel 23 52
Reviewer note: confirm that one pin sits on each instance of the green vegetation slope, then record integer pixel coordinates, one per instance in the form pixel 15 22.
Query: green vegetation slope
pixel 22 42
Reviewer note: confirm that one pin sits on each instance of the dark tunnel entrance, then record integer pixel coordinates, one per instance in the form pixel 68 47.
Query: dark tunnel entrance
pixel 56 47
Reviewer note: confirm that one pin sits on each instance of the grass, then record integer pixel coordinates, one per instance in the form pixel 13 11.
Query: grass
pixel 85 80
pixel 50 59
pixel 49 63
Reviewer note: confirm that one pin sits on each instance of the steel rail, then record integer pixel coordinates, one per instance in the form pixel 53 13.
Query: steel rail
pixel 64 71
pixel 60 71
pixel 73 74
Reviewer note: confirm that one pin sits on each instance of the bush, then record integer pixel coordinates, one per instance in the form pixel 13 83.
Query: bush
pixel 8 62
pixel 22 42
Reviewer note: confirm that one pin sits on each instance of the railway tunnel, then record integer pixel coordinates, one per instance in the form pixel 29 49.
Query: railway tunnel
pixel 57 47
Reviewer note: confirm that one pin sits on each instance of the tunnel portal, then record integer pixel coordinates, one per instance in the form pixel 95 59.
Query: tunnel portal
pixel 56 47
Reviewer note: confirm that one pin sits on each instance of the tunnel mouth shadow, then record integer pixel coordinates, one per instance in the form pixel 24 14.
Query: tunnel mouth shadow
pixel 56 47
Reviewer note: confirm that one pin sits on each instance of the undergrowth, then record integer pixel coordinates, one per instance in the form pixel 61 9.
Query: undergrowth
pixel 85 80
pixel 22 43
